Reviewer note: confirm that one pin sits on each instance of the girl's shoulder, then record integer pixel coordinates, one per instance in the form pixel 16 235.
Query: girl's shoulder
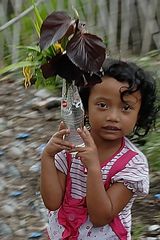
pixel 131 146
pixel 135 174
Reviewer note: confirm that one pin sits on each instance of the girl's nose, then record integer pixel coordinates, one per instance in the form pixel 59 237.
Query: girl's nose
pixel 112 115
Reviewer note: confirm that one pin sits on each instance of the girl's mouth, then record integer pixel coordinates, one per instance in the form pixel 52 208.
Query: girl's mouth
pixel 111 128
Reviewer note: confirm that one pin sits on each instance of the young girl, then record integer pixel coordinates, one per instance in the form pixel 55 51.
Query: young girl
pixel 90 196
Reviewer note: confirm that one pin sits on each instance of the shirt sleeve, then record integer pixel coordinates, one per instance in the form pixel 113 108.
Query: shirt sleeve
pixel 135 175
pixel 61 162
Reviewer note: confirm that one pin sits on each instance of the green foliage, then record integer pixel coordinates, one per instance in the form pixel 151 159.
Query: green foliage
pixel 152 148
pixel 14 66
pixel 52 83
pixel 38 22
pixel 32 58
pixel 138 229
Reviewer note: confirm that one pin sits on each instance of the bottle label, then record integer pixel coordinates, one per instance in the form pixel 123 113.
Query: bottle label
pixel 64 103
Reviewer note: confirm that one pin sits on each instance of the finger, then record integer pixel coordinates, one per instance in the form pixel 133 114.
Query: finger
pixel 60 142
pixel 61 133
pixel 63 147
pixel 86 136
pixel 86 131
pixel 79 149
pixel 61 126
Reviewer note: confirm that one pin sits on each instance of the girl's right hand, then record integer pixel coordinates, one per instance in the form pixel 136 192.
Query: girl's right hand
pixel 57 142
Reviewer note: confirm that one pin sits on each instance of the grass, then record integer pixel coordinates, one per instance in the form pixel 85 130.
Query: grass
pixel 138 230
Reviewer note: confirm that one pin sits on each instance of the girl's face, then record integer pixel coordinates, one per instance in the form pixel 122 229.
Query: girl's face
pixel 111 118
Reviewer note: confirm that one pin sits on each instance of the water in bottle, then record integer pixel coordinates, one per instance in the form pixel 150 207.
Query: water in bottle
pixel 72 112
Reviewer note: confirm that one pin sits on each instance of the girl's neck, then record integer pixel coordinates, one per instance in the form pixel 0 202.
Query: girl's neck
pixel 107 149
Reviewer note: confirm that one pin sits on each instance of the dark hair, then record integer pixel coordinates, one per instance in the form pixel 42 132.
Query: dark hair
pixel 138 79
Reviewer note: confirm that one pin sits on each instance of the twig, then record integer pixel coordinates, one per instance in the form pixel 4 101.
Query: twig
pixel 21 15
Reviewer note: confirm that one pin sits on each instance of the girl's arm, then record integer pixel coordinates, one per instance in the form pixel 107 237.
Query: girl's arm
pixel 53 181
pixel 104 205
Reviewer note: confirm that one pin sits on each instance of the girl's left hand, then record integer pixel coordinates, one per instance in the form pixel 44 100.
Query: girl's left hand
pixel 89 153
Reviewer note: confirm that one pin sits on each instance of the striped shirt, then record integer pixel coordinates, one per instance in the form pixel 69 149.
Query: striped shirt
pixel 135 176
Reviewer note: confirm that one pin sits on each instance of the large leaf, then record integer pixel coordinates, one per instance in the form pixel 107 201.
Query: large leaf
pixel 86 51
pixel 61 65
pixel 54 27
pixel 49 68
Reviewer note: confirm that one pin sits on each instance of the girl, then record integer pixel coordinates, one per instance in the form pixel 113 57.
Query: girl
pixel 90 196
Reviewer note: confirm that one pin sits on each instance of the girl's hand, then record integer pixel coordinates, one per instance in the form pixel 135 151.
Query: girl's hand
pixel 57 142
pixel 89 153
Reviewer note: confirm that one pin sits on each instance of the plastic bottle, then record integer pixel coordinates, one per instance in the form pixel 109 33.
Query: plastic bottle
pixel 72 112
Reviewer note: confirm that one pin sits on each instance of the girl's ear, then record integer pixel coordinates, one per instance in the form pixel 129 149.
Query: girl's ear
pixel 86 122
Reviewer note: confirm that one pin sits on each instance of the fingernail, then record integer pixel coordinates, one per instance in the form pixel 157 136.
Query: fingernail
pixel 85 129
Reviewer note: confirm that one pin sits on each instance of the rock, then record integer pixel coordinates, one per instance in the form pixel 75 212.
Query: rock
pixel 7 133
pixel 15 193
pixel 8 210
pixel 35 235
pixel 3 185
pixel 35 168
pixel 152 238
pixel 154 228
pixel 15 152
pixel 1 152
pixel 154 231
pixel 43 94
pixel 23 135
pixel 3 168
pixel 50 103
pixel 20 233
pixel 41 148
pixel 3 124
pixel 12 171
pixel 5 230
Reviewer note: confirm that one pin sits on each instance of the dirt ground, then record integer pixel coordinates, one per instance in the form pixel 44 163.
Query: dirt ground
pixel 17 109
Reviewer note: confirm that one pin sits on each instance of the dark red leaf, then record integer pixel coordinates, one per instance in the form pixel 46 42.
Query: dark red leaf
pixel 61 65
pixel 49 68
pixel 86 51
pixel 66 69
pixel 54 27
pixel 91 79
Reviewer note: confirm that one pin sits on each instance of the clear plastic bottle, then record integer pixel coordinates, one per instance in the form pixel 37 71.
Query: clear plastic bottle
pixel 72 112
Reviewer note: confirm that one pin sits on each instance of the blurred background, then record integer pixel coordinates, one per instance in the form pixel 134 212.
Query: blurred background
pixel 28 117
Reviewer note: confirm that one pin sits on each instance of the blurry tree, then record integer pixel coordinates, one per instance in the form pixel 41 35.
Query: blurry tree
pixel 127 26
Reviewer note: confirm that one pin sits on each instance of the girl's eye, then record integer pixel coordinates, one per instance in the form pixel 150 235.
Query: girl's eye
pixel 102 105
pixel 127 108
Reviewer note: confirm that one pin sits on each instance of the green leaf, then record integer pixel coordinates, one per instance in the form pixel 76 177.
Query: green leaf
pixel 37 28
pixel 33 48
pixel 14 66
pixel 39 20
